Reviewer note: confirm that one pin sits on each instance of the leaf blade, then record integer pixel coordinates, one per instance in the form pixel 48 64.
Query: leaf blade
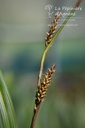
pixel 3 114
pixel 63 24
pixel 8 103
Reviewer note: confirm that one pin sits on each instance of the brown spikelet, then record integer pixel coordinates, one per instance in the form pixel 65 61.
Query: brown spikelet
pixel 41 91
pixel 52 30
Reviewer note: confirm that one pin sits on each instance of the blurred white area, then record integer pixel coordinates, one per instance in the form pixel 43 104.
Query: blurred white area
pixel 21 21
pixel 21 11
pixel 21 33
pixel 25 21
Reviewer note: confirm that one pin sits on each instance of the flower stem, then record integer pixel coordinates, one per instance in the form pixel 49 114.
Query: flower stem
pixel 44 56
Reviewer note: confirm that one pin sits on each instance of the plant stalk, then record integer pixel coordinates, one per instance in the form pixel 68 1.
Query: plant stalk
pixel 35 116
pixel 44 56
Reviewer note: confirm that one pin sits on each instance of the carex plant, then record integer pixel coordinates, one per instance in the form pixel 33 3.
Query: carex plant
pixel 43 83
pixel 7 113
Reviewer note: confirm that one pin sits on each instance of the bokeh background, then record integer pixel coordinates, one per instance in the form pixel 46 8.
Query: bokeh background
pixel 23 26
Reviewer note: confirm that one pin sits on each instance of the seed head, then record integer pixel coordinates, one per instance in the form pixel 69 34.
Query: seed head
pixel 52 29
pixel 41 91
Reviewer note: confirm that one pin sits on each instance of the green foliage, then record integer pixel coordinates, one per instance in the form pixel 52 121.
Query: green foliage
pixel 7 114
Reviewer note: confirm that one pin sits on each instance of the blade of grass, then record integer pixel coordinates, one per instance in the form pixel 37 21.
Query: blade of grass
pixel 3 114
pixel 8 103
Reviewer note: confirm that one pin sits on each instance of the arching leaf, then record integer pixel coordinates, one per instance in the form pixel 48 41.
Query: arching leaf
pixel 6 103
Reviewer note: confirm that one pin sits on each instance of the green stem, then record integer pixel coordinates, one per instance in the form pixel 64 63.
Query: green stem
pixel 57 33
pixel 44 56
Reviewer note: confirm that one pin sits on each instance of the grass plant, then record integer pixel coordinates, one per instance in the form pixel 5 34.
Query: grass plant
pixel 7 114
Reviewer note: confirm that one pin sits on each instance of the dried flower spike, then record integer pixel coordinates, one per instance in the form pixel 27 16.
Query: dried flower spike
pixel 53 27
pixel 41 91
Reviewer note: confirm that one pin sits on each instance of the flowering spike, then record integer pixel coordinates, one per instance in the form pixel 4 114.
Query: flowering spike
pixel 52 29
pixel 41 91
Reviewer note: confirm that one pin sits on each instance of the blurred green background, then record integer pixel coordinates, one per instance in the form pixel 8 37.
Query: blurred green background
pixel 22 31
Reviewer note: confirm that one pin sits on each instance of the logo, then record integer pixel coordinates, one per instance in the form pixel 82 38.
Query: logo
pixel 49 8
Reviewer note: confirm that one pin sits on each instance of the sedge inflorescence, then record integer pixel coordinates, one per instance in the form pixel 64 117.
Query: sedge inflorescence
pixel 41 91
pixel 52 30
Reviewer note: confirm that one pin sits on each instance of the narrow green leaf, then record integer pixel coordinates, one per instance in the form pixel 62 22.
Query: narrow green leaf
pixel 8 103
pixel 56 34
pixel 63 24
pixel 3 114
